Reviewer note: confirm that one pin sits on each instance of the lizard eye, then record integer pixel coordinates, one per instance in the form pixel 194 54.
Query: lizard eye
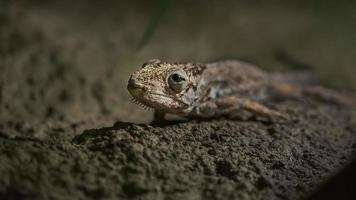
pixel 177 81
pixel 177 78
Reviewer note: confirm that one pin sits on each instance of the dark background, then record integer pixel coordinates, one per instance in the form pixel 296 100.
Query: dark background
pixel 64 67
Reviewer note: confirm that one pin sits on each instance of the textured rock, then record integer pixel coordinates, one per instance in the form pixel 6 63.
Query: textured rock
pixel 216 159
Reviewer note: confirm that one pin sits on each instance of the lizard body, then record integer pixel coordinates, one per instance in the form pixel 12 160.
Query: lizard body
pixel 210 90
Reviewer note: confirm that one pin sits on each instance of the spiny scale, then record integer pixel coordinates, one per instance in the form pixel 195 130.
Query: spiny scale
pixel 135 101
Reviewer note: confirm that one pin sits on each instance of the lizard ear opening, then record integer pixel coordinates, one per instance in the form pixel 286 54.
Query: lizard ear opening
pixel 177 80
pixel 150 62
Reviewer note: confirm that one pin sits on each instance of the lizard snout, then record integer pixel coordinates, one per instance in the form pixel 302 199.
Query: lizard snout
pixel 131 83
pixel 134 87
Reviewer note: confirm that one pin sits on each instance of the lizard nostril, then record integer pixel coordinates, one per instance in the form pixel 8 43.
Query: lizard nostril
pixel 131 83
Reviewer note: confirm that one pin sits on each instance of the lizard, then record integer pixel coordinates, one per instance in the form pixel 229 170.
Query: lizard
pixel 229 88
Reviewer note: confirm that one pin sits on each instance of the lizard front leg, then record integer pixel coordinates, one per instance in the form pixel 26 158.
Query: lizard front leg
pixel 158 118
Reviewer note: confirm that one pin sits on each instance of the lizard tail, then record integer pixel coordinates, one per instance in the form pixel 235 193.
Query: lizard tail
pixel 296 78
pixel 301 72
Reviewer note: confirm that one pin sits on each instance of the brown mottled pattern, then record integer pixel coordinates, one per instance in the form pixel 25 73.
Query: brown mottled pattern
pixel 206 90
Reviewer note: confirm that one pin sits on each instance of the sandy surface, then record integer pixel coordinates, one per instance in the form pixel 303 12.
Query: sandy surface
pixel 68 129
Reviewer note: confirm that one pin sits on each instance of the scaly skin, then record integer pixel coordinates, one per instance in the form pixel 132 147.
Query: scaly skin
pixel 215 89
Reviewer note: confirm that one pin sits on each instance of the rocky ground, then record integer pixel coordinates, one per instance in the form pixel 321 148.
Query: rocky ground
pixel 68 130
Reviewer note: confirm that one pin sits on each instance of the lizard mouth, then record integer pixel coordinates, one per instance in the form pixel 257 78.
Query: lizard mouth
pixel 149 105
pixel 136 92
pixel 140 103
pixel 154 100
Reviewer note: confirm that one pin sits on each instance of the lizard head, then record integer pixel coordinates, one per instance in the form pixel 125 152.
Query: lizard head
pixel 161 86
